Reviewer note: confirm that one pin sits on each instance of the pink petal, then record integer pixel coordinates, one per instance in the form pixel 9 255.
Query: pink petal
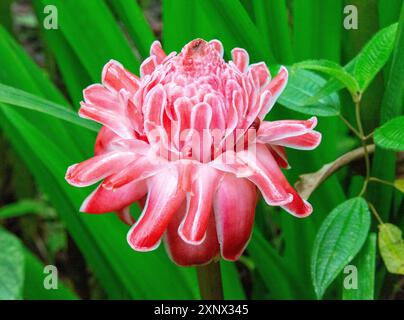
pixel 266 103
pixel 193 228
pixel 200 139
pixel 219 114
pixel 218 46
pixel 148 66
pixel 164 200
pixel 276 130
pixel 279 155
pixel 278 83
pixel 185 254
pixel 97 168
pixel 140 169
pixel 157 51
pixel 298 207
pixel 234 208
pixel 154 107
pixel 102 200
pixel 116 77
pixel 103 142
pixel 114 121
pixel 260 74
pixel 266 175
pixel 100 96
pixel 240 58
pixel 307 141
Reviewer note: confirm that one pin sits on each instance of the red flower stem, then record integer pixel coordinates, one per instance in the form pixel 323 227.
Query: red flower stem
pixel 210 281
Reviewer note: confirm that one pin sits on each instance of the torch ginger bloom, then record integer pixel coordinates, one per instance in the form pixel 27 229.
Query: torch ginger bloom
pixel 170 141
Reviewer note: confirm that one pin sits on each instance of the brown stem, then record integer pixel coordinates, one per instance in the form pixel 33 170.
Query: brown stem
pixel 310 181
pixel 210 281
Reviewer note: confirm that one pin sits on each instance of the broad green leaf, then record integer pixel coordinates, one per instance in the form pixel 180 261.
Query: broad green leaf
pixel 33 285
pixel 332 69
pixel 334 85
pixel 339 239
pixel 11 266
pixel 21 208
pixel 391 246
pixel 391 135
pixel 29 101
pixel 302 85
pixel 399 185
pixel 365 265
pixel 374 55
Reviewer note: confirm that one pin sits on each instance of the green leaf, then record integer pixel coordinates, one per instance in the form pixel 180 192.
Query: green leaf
pixel 29 101
pixel 302 85
pixel 391 135
pixel 391 246
pixel 338 240
pixel 22 207
pixel 399 185
pixel 136 24
pixel 332 69
pixel 374 55
pixel 11 267
pixel 272 268
pixel 365 263
pixel 34 277
pixel 79 21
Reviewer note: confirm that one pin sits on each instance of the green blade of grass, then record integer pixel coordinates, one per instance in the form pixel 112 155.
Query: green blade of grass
pixel 22 99
pixel 79 21
pixel 136 24
pixel 272 20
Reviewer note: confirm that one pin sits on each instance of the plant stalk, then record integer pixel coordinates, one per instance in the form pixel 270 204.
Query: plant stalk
pixel 210 281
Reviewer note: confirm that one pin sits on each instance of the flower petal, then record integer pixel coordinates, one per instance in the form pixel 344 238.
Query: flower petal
pixel 148 66
pixel 140 169
pixel 164 199
pixel 307 141
pixel 234 208
pixel 240 58
pixel 102 200
pixel 218 46
pixel 114 121
pixel 157 51
pixel 116 77
pixel 185 254
pixel 275 86
pixel 266 175
pixel 193 228
pixel 94 169
pixel 275 130
pixel 279 155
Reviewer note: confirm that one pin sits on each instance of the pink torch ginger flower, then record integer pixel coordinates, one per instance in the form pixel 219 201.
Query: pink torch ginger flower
pixel 174 140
